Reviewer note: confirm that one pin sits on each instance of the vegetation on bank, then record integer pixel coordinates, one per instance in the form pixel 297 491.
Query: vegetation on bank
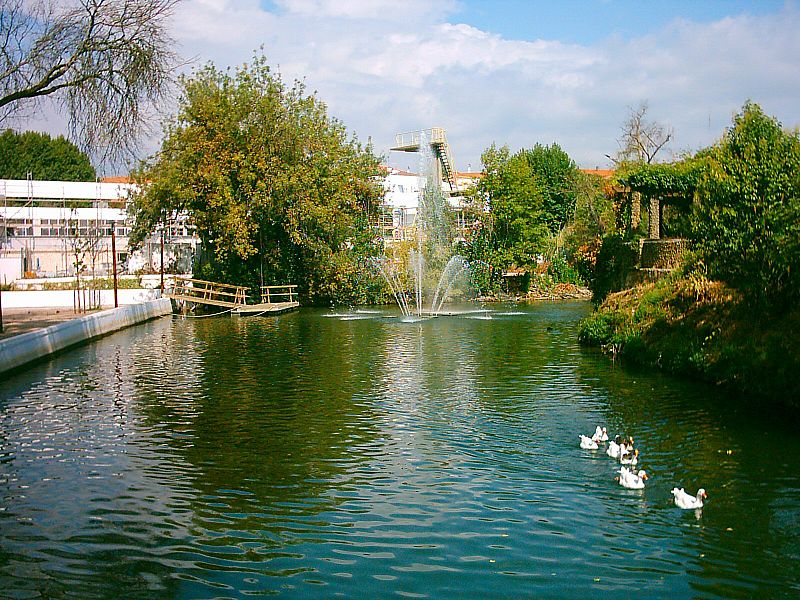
pixel 703 329
pixel 536 213
pixel 729 315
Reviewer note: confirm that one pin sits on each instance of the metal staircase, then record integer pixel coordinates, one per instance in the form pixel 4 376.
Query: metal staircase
pixel 437 139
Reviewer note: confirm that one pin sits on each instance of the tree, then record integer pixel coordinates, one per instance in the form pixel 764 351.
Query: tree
pixel 46 158
pixel 277 190
pixel 747 219
pixel 641 139
pixel 104 61
pixel 514 231
pixel 557 176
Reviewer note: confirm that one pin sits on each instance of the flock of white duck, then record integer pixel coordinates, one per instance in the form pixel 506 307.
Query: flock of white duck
pixel 621 449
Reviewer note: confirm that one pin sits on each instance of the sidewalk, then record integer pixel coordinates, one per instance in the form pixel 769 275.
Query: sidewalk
pixel 23 320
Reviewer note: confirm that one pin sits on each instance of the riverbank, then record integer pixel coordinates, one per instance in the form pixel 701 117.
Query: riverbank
pixel 22 320
pixel 560 291
pixel 701 329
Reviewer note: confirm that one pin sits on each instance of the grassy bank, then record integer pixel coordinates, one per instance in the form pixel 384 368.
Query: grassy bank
pixel 698 328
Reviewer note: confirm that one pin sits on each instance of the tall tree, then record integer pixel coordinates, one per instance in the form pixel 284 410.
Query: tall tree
pixel 273 185
pixel 514 230
pixel 104 61
pixel 557 176
pixel 53 159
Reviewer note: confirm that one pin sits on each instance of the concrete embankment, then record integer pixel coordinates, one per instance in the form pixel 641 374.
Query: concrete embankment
pixel 27 347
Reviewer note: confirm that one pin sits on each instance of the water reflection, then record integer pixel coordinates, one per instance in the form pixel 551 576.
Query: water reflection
pixel 313 454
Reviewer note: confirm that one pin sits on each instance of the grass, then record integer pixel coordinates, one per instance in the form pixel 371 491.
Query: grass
pixel 700 328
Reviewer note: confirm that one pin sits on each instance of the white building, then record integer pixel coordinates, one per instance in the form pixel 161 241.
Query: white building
pixel 49 227
pixel 402 198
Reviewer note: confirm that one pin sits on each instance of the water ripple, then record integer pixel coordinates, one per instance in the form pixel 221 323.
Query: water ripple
pixel 305 455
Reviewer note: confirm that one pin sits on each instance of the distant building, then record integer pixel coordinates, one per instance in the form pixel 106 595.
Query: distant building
pixel 47 227
pixel 397 218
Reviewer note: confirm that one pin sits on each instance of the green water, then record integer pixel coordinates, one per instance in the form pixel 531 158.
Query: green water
pixel 336 453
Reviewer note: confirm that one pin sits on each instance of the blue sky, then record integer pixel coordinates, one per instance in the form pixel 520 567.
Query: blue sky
pixel 589 21
pixel 514 72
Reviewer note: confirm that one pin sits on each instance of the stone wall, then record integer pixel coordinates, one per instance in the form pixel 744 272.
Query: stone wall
pixel 662 254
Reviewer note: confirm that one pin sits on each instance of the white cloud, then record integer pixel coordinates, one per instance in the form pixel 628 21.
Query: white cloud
pixel 384 67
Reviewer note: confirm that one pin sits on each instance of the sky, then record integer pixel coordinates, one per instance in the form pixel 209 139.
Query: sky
pixel 515 72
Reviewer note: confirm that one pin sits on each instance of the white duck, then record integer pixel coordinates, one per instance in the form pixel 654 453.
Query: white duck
pixel 684 500
pixel 631 480
pixel 630 459
pixel 588 443
pixel 616 450
pixel 600 434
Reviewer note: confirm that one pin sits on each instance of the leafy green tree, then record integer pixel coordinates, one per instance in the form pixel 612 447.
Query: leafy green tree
pixel 45 158
pixel 747 221
pixel 514 231
pixel 276 188
pixel 557 176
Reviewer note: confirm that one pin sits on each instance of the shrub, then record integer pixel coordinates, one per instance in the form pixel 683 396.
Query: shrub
pixel 615 259
pixel 747 220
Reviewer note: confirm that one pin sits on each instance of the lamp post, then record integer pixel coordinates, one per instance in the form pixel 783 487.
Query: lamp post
pixel 114 259
pixel 162 259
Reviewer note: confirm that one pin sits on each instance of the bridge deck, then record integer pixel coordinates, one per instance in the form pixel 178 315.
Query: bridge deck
pixel 274 307
pixel 274 298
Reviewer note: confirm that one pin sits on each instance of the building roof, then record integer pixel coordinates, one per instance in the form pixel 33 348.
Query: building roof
pixel 64 190
pixel 604 173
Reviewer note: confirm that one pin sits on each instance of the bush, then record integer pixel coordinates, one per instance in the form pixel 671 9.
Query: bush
pixel 747 220
pixel 615 259
pixel 562 272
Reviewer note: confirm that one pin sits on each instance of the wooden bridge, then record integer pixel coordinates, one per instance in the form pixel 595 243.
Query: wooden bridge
pixel 274 298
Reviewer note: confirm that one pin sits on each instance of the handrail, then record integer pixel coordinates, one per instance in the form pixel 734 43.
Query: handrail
pixel 214 283
pixel 209 291
pixel 278 291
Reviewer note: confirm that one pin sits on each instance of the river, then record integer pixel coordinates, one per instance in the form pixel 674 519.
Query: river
pixel 344 453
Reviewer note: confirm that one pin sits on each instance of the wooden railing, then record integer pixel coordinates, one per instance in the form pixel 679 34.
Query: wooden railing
pixel 208 292
pixel 276 294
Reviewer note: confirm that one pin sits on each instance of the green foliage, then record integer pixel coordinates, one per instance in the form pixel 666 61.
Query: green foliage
pixel 747 222
pixel 615 260
pixel 272 183
pixel 482 279
pixel 527 205
pixel 664 179
pixel 45 158
pixel 514 232
pixel 594 217
pixel 693 326
pixel 557 177
pixel 98 283
pixel 562 272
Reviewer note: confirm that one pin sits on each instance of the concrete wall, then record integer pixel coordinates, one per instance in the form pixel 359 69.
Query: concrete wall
pixel 27 347
pixel 66 298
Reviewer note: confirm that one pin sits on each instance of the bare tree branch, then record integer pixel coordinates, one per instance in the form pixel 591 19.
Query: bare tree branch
pixel 108 63
pixel 642 140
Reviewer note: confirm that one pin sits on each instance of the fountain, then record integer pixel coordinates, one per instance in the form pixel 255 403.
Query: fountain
pixel 431 274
